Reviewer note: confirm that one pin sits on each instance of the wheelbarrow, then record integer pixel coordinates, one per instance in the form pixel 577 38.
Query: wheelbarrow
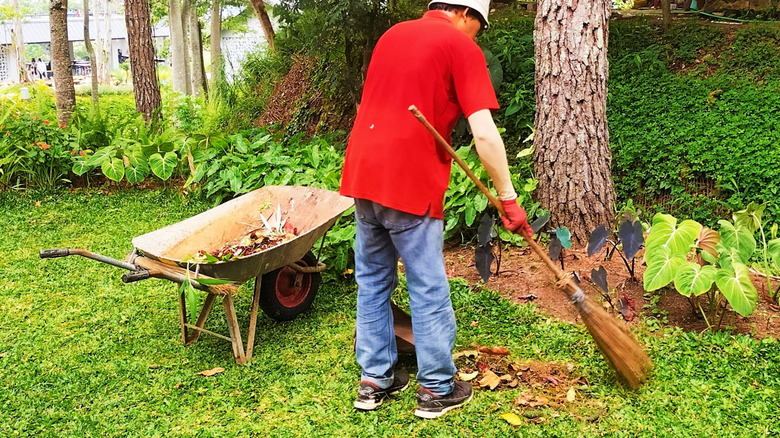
pixel 287 276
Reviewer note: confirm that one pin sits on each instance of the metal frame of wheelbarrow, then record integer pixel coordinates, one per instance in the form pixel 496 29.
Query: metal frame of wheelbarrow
pixel 142 268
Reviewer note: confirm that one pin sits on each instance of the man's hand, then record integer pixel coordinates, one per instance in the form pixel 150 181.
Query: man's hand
pixel 515 218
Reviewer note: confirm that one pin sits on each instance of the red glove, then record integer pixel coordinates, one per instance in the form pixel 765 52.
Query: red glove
pixel 515 219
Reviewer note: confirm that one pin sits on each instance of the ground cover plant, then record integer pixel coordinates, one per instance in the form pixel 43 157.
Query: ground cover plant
pixel 81 353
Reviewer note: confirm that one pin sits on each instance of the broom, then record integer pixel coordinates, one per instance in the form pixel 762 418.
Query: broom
pixel 615 342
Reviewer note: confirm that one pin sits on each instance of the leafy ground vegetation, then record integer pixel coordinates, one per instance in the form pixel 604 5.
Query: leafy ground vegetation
pixel 83 354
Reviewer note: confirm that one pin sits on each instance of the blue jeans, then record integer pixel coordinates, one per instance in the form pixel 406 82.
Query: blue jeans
pixel 384 235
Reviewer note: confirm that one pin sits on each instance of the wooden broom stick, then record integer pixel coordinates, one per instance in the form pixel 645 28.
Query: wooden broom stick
pixel 615 342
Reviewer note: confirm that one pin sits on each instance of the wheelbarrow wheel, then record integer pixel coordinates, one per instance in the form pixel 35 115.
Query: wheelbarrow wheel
pixel 286 293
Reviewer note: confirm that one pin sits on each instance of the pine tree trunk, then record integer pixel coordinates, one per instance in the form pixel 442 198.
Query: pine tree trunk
pixel 216 42
pixel 572 158
pixel 17 44
pixel 92 60
pixel 265 22
pixel 64 92
pixel 177 47
pixel 139 39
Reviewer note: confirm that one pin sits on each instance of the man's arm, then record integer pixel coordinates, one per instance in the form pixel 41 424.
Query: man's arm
pixel 491 151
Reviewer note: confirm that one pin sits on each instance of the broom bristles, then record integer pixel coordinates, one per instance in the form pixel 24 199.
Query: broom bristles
pixel 616 344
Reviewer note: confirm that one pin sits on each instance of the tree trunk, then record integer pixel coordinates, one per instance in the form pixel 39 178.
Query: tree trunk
pixel 177 47
pixel 17 45
pixel 107 50
pixel 572 158
pixel 65 93
pixel 186 6
pixel 666 12
pixel 216 42
pixel 92 60
pixel 265 22
pixel 203 82
pixel 196 52
pixel 139 39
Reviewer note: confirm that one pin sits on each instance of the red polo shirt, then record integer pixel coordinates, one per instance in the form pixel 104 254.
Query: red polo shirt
pixel 391 158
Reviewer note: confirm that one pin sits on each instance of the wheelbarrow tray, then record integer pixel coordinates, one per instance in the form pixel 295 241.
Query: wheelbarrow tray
pixel 311 211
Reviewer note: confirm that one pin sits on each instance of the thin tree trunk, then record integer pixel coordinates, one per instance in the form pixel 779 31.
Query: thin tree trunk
pixel 572 158
pixel 107 47
pixel 17 44
pixel 196 51
pixel 92 60
pixel 139 39
pixel 64 92
pixel 666 13
pixel 216 42
pixel 177 47
pixel 265 22
pixel 186 5
pixel 203 82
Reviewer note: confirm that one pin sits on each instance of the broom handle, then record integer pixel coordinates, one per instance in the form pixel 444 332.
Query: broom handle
pixel 571 287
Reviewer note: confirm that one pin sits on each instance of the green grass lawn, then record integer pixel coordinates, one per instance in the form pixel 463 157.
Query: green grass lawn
pixel 83 354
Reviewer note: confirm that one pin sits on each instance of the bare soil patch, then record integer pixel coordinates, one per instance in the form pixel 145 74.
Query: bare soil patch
pixel 523 277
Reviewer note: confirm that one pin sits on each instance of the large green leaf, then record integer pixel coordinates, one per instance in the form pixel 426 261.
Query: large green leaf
pixel 101 156
pixel 750 217
pixel 113 169
pixel 665 232
pixel 739 238
pixel 81 167
pixel 692 279
pixel 736 286
pixel 661 268
pixel 136 174
pixel 163 166
pixel 773 251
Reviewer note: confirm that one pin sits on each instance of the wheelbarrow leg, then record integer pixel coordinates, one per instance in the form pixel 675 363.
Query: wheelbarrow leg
pixel 235 332
pixel 250 336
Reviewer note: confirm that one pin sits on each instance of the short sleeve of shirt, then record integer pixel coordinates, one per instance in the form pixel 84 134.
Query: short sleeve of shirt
pixel 472 81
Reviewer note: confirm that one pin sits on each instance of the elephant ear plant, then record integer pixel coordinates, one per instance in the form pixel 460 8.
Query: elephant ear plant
pixel 703 262
pixel 628 242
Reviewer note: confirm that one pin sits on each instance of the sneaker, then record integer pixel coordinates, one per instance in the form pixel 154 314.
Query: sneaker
pixel 371 396
pixel 430 405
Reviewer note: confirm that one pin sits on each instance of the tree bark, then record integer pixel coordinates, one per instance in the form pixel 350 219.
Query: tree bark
pixel 64 92
pixel 572 158
pixel 107 47
pixel 92 60
pixel 139 39
pixel 186 6
pixel 265 22
pixel 216 42
pixel 17 44
pixel 666 13
pixel 177 47
pixel 196 52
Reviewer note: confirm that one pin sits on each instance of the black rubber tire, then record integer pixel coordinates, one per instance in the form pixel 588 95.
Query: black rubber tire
pixel 281 299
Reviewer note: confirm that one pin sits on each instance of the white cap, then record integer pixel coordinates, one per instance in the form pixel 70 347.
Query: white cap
pixel 480 6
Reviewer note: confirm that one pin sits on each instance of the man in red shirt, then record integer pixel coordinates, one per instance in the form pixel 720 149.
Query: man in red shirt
pixel 398 176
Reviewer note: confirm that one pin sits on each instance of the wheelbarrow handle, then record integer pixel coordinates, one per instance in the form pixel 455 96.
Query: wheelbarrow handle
pixel 133 276
pixel 54 253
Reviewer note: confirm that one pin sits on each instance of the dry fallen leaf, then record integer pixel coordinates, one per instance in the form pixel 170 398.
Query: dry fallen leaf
pixel 496 351
pixel 211 372
pixel 474 323
pixel 38 203
pixel 465 353
pixel 178 385
pixel 467 377
pixel 513 383
pixel 349 271
pixel 512 419
pixel 489 380
pixel 507 378
pixel 3 354
pixel 570 395
pixel 154 366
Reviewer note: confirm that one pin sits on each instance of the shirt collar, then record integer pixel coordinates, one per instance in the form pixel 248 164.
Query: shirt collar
pixel 437 15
